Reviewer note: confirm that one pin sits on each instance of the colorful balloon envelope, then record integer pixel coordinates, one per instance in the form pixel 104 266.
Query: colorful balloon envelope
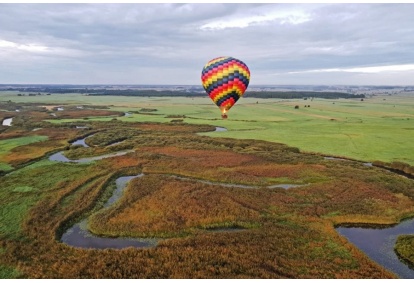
pixel 225 80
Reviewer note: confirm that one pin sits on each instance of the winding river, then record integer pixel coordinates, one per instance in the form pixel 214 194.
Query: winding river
pixel 377 243
pixel 78 235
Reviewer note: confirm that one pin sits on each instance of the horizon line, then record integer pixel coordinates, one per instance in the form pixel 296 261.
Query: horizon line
pixel 252 85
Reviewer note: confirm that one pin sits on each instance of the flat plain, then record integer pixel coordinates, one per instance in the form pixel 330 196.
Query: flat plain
pixel 377 128
pixel 213 200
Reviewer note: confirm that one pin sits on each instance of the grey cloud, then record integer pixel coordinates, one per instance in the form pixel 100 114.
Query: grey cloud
pixel 152 39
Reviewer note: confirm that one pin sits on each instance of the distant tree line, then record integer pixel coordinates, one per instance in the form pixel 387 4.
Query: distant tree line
pixel 301 94
pixel 146 92
pixel 256 94
pixel 188 93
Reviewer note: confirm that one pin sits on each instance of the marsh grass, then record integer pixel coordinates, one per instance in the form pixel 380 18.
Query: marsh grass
pixel 404 247
pixel 8 273
pixel 21 190
pixel 5 167
pixel 12 214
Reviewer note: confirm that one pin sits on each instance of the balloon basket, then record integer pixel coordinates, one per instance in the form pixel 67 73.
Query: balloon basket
pixel 224 116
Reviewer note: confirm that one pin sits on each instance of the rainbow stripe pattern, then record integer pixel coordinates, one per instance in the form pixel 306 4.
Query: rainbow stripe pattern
pixel 225 80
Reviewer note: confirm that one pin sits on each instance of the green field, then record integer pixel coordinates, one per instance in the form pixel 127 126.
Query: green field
pixel 8 144
pixel 378 128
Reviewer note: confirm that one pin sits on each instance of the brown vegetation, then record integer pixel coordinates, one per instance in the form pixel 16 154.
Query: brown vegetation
pixel 163 206
pixel 400 167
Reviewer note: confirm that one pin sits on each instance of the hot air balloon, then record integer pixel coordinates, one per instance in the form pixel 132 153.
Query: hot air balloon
pixel 225 80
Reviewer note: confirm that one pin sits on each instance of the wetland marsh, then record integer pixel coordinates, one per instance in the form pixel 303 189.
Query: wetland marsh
pixel 194 181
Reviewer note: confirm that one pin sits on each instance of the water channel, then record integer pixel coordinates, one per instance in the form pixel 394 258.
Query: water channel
pixel 80 141
pixel 61 158
pixel 377 243
pixel 78 235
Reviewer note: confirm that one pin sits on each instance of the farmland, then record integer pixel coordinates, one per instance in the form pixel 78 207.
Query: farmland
pixel 206 229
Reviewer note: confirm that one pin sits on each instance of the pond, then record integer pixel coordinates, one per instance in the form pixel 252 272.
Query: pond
pixel 7 122
pixel 80 142
pixel 221 129
pixel 378 244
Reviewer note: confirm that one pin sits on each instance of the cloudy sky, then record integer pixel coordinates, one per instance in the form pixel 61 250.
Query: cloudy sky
pixel 170 43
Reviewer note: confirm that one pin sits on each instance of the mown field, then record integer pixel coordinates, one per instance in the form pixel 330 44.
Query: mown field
pixel 281 233
pixel 378 128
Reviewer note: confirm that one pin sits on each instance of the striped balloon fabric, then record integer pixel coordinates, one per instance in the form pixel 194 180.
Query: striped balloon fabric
pixel 225 80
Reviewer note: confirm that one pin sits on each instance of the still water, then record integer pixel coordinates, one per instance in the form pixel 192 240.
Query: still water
pixel 61 158
pixel 221 129
pixel 7 122
pixel 379 244
pixel 80 141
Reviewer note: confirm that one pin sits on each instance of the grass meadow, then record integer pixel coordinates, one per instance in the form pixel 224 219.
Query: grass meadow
pixel 378 128
pixel 8 144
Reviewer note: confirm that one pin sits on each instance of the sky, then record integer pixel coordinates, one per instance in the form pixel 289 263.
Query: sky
pixel 169 43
